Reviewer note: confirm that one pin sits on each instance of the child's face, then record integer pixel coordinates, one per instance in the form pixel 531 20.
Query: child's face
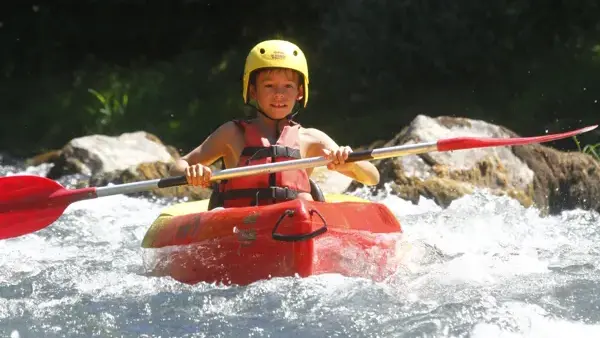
pixel 276 91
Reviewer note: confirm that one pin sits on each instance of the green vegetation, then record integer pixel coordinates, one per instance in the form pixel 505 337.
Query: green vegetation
pixel 592 149
pixel 113 66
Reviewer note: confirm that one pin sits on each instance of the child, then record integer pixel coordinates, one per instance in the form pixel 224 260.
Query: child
pixel 276 78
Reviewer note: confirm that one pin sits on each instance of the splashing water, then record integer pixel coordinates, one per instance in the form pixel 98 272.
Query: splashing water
pixel 483 267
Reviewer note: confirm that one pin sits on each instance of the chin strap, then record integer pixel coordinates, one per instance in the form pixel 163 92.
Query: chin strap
pixel 289 117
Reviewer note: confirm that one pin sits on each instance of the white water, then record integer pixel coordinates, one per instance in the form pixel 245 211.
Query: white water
pixel 484 267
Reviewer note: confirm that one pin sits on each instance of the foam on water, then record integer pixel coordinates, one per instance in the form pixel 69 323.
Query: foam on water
pixel 483 267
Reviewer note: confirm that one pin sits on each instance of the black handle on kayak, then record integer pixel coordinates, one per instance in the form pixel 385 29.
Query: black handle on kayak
pixel 298 238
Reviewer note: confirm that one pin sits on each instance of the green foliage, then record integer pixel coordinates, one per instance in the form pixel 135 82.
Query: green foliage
pixel 592 149
pixel 113 106
pixel 374 64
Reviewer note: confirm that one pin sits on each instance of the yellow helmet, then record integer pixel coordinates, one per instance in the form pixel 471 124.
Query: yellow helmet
pixel 275 53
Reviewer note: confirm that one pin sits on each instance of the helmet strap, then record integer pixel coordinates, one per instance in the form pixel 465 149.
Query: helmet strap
pixel 289 117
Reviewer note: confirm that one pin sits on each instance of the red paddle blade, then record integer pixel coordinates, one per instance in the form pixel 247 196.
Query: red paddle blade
pixel 23 205
pixel 30 203
pixel 478 142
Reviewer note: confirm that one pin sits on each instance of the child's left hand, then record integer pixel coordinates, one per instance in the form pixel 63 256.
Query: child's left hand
pixel 338 158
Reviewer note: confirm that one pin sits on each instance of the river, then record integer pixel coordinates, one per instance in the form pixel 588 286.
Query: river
pixel 483 267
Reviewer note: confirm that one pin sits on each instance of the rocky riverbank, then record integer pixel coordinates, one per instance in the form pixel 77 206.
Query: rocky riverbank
pixel 535 175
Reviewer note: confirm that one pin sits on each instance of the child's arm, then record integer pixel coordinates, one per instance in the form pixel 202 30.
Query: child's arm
pixel 318 143
pixel 214 147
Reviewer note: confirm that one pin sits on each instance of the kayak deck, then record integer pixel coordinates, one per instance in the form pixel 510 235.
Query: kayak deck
pixel 303 238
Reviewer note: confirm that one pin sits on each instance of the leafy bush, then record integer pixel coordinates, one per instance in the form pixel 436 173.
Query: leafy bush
pixel 374 65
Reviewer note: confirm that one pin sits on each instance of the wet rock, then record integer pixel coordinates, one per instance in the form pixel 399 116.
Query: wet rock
pixel 47 157
pixel 536 175
pixel 446 176
pixel 563 180
pixel 150 171
pixel 95 154
pixel 330 182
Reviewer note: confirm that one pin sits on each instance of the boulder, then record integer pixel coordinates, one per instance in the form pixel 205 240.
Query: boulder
pixel 532 174
pixel 51 156
pixel 150 171
pixel 97 154
pixel 446 176
pixel 563 180
pixel 330 182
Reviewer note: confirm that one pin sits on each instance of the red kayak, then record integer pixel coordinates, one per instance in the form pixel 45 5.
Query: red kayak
pixel 345 235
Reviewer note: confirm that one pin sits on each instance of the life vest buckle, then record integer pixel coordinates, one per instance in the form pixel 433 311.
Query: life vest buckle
pixel 282 193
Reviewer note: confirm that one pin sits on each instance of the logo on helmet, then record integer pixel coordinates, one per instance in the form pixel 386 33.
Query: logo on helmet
pixel 277 55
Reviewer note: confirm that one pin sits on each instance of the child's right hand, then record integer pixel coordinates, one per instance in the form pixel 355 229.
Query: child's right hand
pixel 198 175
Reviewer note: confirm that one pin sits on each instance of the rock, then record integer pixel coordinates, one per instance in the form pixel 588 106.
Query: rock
pixel 47 157
pixel 149 171
pixel 330 182
pixel 445 185
pixel 563 180
pixel 446 176
pixel 426 129
pixel 532 174
pixel 95 154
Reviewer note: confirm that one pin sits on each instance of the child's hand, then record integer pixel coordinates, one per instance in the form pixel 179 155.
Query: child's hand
pixel 338 158
pixel 198 175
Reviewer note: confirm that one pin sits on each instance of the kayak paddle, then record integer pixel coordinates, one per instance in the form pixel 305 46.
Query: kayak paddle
pixel 30 203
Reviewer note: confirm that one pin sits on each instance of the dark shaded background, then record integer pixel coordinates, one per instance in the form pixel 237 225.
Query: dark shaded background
pixel 174 68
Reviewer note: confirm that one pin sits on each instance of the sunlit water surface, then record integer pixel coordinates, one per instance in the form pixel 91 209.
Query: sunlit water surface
pixel 484 267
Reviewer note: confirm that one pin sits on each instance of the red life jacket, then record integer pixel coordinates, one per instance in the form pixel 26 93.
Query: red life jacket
pixel 268 188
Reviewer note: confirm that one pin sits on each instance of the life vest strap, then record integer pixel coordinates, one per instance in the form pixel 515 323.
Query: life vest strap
pixel 272 193
pixel 258 153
